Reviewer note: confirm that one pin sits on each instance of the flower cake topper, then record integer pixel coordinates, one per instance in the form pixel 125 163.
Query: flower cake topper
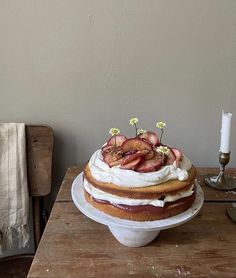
pixel 114 131
pixel 141 131
pixel 163 149
pixel 161 126
pixel 134 121
pixel 143 153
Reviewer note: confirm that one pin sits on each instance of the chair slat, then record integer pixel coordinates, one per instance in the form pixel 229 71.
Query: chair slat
pixel 39 140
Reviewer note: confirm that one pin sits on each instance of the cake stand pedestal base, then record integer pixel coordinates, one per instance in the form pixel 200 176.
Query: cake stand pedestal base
pixel 133 238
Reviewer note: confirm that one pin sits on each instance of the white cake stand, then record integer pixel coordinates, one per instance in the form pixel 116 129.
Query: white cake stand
pixel 133 233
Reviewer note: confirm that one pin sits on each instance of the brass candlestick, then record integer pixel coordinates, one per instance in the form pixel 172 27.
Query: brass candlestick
pixel 221 182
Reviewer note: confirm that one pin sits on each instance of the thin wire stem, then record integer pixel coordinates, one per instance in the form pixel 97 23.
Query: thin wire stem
pixel 136 129
pixel 161 134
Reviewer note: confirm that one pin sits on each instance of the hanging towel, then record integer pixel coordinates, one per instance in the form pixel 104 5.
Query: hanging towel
pixel 14 196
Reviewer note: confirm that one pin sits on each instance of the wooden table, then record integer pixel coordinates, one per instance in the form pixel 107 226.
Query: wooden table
pixel 75 246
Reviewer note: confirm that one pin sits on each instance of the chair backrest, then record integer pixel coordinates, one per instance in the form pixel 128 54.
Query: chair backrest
pixel 39 140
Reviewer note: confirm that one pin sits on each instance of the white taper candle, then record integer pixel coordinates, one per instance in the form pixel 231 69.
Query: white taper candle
pixel 225 132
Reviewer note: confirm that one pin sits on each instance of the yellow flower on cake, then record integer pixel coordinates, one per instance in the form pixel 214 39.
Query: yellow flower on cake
pixel 114 131
pixel 133 121
pixel 160 125
pixel 163 150
pixel 141 131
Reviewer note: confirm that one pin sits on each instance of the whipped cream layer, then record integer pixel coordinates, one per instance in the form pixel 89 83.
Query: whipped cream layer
pixel 117 200
pixel 128 178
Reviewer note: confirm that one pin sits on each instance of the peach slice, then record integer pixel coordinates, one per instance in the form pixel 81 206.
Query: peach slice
pixel 130 157
pixel 135 144
pixel 111 157
pixel 178 155
pixel 133 164
pixel 170 157
pixel 118 140
pixel 150 137
pixel 150 165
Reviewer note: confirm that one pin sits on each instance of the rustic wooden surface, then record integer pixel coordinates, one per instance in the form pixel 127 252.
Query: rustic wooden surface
pixel 209 193
pixel 39 158
pixel 75 246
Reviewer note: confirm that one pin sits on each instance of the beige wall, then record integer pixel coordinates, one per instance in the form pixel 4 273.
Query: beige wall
pixel 85 66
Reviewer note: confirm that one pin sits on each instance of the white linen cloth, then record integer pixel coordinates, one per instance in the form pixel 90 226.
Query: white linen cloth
pixel 14 196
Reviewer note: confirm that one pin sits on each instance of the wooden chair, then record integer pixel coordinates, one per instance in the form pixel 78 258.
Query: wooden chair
pixel 39 140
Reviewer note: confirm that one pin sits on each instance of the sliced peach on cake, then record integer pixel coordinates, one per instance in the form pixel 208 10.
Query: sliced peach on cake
pixel 133 164
pixel 149 136
pixel 135 144
pixel 150 165
pixel 170 159
pixel 112 158
pixel 116 140
pixel 128 158
pixel 178 155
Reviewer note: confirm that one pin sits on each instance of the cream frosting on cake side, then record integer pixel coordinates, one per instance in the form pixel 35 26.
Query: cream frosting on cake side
pixel 128 178
pixel 114 199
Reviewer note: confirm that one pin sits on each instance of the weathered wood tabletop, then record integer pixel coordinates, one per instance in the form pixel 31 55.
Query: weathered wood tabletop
pixel 75 246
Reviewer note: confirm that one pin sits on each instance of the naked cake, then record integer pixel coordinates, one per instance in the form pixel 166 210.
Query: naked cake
pixel 139 178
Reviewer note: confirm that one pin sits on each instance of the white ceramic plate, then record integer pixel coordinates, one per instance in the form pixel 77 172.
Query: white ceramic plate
pixel 98 216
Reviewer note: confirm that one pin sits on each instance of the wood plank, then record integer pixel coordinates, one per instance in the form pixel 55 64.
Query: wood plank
pixel 39 158
pixel 75 246
pixel 209 193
